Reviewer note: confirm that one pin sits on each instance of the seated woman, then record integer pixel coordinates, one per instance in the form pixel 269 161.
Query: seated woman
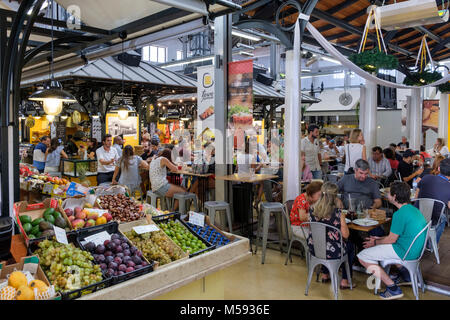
pixel 92 146
pixel 328 211
pixel 158 176
pixel 302 204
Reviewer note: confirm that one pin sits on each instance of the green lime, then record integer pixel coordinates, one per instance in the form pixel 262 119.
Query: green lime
pixel 35 230
pixel 37 221
pixel 27 227
pixel 49 211
pixel 31 236
pixel 57 214
pixel 25 219
pixel 50 219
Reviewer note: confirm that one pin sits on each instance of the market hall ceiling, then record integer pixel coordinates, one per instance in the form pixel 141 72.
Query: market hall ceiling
pixel 342 23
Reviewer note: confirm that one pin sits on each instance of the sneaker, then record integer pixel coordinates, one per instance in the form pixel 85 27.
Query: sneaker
pixel 399 280
pixel 390 294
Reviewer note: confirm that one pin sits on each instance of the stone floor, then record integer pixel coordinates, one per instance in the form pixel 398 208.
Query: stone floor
pixel 273 280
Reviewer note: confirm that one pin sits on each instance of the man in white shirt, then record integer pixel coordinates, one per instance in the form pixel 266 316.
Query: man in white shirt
pixel 106 158
pixel 310 145
pixel 118 144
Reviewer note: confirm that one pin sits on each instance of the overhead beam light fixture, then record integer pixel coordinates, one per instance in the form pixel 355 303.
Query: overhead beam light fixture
pixel 245 53
pixel 242 34
pixel 182 63
pixel 53 95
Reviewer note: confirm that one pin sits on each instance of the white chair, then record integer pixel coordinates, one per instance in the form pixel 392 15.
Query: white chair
pixel 319 237
pixel 413 266
pixel 426 206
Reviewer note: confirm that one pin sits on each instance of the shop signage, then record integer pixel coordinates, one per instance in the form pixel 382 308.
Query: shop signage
pixel 240 99
pixel 205 98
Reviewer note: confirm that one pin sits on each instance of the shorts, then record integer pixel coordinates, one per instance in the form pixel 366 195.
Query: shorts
pixel 163 190
pixel 378 253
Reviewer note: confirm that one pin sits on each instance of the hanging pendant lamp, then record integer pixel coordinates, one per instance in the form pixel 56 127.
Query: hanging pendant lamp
pixel 123 109
pixel 53 95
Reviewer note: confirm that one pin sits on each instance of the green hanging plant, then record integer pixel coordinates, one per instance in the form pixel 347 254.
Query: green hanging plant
pixel 374 60
pixel 422 78
pixel 445 87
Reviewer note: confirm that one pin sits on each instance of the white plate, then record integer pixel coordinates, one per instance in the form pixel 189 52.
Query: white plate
pixel 347 220
pixel 365 222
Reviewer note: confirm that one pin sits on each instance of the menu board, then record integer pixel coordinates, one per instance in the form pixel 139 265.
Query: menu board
pixel 61 130
pixel 96 129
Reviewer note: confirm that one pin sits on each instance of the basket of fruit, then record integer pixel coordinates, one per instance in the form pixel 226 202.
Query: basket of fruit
pixel 81 213
pixel 155 245
pixel 112 251
pixel 36 221
pixel 211 233
pixel 69 268
pixel 121 207
pixel 182 234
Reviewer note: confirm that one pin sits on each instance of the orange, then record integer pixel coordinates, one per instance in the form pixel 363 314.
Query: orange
pixel 25 293
pixel 17 279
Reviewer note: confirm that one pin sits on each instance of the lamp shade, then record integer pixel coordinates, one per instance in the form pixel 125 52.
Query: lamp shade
pixel 123 110
pixel 52 97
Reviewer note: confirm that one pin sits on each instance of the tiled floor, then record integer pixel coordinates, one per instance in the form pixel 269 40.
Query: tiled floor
pixel 273 280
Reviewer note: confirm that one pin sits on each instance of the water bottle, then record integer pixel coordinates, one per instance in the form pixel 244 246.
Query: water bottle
pixel 414 184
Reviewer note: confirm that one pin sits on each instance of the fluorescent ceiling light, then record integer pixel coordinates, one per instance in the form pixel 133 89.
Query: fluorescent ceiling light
pixel 182 63
pixel 330 60
pixel 245 53
pixel 245 46
pixel 242 34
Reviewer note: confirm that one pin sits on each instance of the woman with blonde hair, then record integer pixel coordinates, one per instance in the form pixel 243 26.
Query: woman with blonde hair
pixel 328 210
pixel 440 148
pixel 354 150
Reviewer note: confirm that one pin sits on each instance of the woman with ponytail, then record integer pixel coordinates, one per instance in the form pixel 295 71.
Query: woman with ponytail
pixel 328 210
pixel 129 165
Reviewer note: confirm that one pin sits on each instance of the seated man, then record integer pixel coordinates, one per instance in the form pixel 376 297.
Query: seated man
pixel 331 152
pixel 438 188
pixel 380 168
pixel 406 168
pixel 360 186
pixel 407 222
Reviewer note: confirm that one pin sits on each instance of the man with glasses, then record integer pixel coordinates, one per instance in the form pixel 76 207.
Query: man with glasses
pixel 380 168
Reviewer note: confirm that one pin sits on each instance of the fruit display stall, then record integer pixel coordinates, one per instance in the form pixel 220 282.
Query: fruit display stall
pixel 115 248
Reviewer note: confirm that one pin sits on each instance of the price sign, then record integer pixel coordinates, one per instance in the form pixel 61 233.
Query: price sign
pixel 146 228
pixel 60 235
pixel 197 219
pixel 98 238
pixel 48 188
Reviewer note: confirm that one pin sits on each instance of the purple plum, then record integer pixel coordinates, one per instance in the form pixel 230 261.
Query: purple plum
pixel 100 249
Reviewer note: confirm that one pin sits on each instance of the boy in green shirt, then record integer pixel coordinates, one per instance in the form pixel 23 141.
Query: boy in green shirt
pixel 407 222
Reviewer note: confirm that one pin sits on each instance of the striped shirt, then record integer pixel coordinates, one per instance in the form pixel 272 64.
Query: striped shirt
pixel 382 168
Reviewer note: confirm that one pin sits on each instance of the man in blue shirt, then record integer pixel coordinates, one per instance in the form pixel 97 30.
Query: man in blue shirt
pixel 407 222
pixel 438 188
pixel 39 153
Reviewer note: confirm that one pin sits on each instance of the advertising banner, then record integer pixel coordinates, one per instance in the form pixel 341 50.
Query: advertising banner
pixel 205 99
pixel 430 115
pixel 240 99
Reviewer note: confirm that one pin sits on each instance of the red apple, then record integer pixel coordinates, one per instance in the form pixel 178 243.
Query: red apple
pixel 108 216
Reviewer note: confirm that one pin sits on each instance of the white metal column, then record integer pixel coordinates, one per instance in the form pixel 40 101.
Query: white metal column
pixel 362 106
pixel 415 121
pixel 222 50
pixel 370 116
pixel 408 117
pixel 292 117
pixel 443 117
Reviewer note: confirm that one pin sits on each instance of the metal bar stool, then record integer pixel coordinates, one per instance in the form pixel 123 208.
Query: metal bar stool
pixel 212 206
pixel 182 198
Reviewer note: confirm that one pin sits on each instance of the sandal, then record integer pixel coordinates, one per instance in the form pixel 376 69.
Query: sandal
pixel 347 287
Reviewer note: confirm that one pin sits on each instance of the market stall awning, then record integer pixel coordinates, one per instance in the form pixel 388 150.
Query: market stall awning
pixel 259 90
pixel 330 105
pixel 109 69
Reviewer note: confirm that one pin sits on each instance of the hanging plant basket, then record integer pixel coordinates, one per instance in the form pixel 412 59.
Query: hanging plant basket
pixel 374 60
pixel 445 87
pixel 422 78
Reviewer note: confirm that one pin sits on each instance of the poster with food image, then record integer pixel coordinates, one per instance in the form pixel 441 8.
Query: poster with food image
pixel 205 98
pixel 430 115
pixel 240 99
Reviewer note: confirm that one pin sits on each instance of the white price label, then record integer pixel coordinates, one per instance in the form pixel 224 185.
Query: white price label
pixel 197 218
pixel 48 188
pixel 60 235
pixel 146 228
pixel 98 238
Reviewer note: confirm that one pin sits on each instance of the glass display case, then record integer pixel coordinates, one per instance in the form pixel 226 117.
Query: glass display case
pixel 76 168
